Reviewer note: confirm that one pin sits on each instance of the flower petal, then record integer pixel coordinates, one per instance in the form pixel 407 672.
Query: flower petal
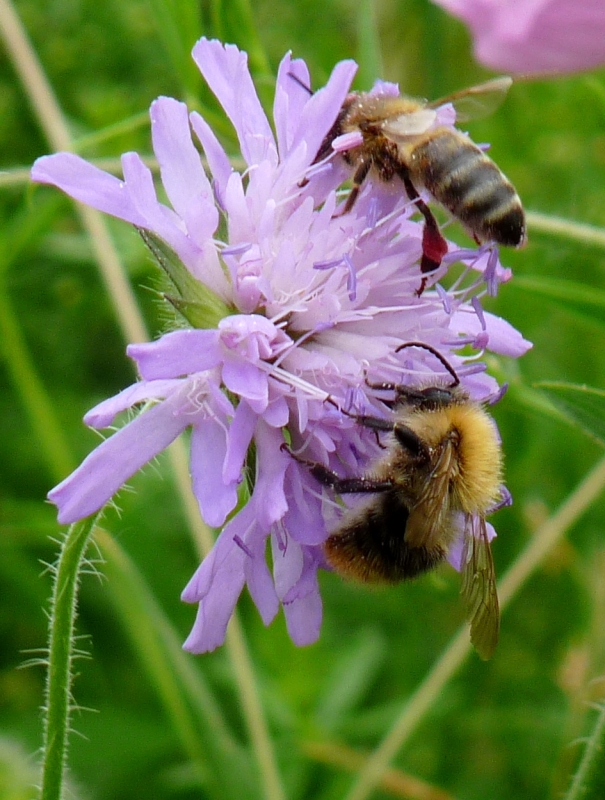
pixel 216 498
pixel 115 461
pixel 176 353
pixel 105 412
pixel 503 338
pixel 292 92
pixel 225 69
pixel 183 175
pixel 271 464
pixel 218 160
pixel 88 184
pixel 259 579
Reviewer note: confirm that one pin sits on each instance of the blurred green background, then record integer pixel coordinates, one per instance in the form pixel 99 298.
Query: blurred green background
pixel 501 729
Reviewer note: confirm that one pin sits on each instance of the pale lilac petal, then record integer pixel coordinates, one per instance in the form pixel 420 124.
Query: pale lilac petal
pixel 277 413
pixel 292 92
pixel 176 353
pixel 115 461
pixel 288 562
pixel 347 141
pixel 240 436
pixel 503 338
pixel 303 607
pixel 183 175
pixel 225 69
pixel 322 109
pixel 259 580
pixel 303 619
pixel 88 184
pixel 105 412
pixel 216 498
pixel 217 585
pixel 218 160
pixel 248 381
pixel 304 519
pixel 153 215
pixel 272 462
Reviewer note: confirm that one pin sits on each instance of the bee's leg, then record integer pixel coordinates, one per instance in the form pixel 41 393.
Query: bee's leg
pixel 434 246
pixel 361 173
pixel 328 477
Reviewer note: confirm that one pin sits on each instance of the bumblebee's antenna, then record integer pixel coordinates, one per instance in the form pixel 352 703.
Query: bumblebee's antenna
pixel 437 355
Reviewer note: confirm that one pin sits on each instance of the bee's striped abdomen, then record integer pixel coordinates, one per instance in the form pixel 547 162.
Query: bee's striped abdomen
pixel 468 183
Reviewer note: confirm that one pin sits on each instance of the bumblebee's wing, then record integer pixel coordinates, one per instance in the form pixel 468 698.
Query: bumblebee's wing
pixel 479 588
pixel 412 123
pixel 431 516
pixel 478 101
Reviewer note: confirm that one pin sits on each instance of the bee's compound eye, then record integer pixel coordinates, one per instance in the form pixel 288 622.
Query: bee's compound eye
pixel 408 439
pixel 437 395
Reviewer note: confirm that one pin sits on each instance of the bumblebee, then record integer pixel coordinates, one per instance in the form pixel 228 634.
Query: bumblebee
pixel 401 138
pixel 441 472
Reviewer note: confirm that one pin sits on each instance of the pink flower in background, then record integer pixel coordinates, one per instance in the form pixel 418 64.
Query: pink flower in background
pixel 534 35
pixel 313 303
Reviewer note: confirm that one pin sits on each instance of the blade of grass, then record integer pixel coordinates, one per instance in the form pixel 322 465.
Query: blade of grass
pixel 565 229
pixel 368 38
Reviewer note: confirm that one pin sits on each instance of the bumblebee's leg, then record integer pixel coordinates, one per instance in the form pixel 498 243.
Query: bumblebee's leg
pixel 405 436
pixel 340 485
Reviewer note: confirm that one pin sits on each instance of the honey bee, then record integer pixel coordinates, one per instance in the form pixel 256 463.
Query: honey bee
pixel 441 472
pixel 401 138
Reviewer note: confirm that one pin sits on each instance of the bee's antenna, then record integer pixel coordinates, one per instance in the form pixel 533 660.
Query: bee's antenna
pixel 437 355
pixel 300 83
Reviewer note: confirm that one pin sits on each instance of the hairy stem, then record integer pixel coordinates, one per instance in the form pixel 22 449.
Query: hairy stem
pixel 60 657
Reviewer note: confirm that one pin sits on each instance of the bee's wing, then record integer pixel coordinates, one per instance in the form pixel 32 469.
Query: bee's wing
pixel 479 588
pixel 431 514
pixel 478 101
pixel 413 123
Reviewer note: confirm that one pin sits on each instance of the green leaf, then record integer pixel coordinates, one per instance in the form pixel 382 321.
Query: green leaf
pixel 583 405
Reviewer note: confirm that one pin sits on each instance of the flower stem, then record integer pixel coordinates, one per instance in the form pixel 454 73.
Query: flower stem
pixel 60 657
pixel 589 781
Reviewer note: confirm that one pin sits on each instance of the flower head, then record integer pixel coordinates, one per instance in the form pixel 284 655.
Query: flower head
pixel 534 35
pixel 313 304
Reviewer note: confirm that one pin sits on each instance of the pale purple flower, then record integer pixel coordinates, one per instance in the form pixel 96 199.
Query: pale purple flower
pixel 314 304
pixel 534 35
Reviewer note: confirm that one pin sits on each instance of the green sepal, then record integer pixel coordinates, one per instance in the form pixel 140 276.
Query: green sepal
pixel 200 315
pixel 201 307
